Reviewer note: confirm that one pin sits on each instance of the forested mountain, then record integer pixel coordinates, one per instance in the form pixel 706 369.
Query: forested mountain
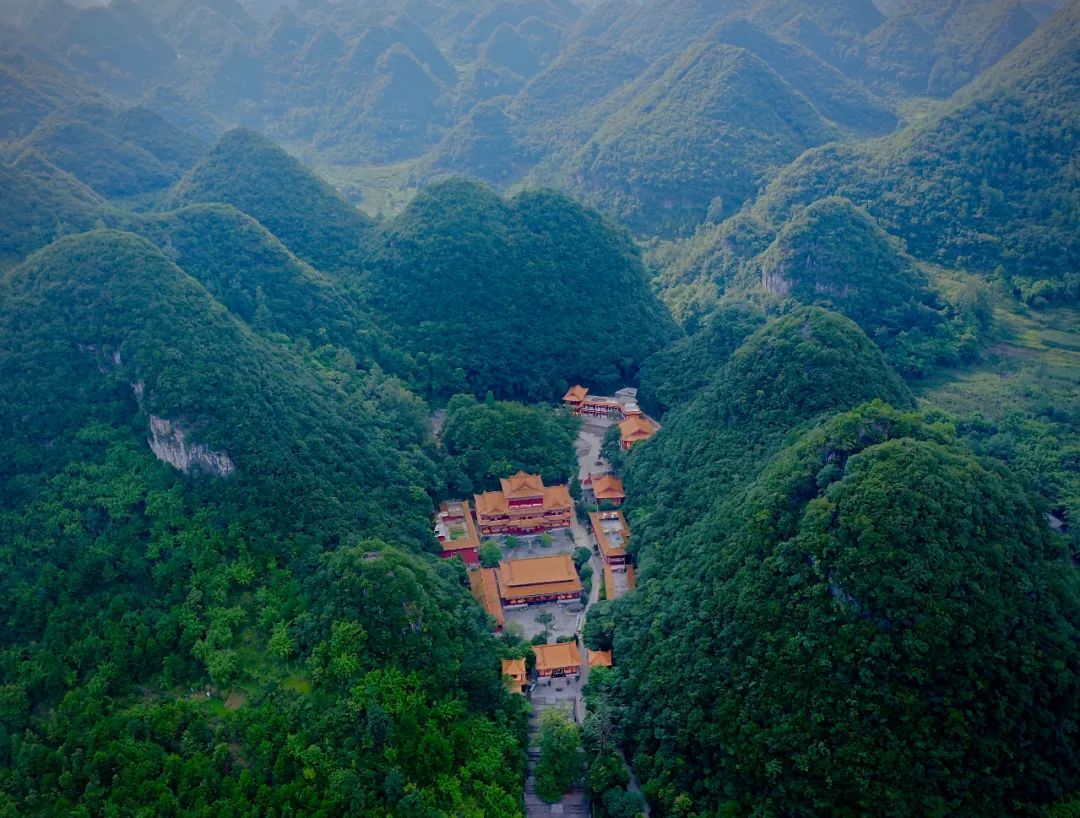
pixel 117 153
pixel 32 90
pixel 986 182
pixel 247 171
pixel 512 91
pixel 157 582
pixel 790 578
pixel 41 203
pixel 251 272
pixel 805 626
pixel 937 47
pixel 524 296
pixel 257 327
pixel 695 140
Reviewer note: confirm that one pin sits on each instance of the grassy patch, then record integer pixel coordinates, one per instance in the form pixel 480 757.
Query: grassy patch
pixel 297 684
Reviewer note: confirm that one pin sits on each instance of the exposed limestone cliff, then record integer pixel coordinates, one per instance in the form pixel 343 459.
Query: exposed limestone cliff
pixel 170 444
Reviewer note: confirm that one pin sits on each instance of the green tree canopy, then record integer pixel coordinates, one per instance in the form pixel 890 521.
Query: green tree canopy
pixel 560 764
pixel 486 442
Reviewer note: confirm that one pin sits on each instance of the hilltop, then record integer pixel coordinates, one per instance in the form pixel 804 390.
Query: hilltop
pixel 837 587
pixel 525 268
pixel 1010 130
pixel 254 175
pixel 698 137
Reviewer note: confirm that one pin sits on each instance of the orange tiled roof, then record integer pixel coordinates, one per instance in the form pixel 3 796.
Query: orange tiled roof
pixel 606 546
pixel 522 485
pixel 599 658
pixel 537 570
pixel 576 394
pixel 636 428
pixel 557 656
pixel 608 487
pixel 524 592
pixel 485 588
pixel 490 503
pixel 514 668
pixel 556 497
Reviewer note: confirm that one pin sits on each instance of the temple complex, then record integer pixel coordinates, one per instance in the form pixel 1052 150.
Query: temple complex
pixel 538 579
pixel 523 506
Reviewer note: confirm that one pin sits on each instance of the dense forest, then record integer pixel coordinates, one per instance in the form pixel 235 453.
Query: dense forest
pixel 278 278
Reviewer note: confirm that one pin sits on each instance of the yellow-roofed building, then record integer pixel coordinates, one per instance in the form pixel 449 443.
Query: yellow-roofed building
pixel 538 579
pixel 562 659
pixel 514 671
pixel 523 506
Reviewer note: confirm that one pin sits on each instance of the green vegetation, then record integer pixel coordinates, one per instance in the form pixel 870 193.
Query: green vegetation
pixel 115 153
pixel 490 554
pixel 249 271
pixel 832 254
pixel 1020 403
pixel 936 47
pixel 611 448
pixel 792 371
pixel 985 182
pixel 871 560
pixel 219 589
pixel 485 442
pixel 236 626
pixel 599 627
pixel 607 777
pixel 560 764
pixel 676 373
pixel 252 174
pixel 560 295
pixel 698 136
pixel 42 203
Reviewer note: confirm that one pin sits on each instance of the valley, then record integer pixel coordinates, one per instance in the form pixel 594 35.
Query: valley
pixel 513 408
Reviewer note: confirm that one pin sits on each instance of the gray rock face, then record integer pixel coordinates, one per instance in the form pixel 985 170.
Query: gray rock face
pixel 170 444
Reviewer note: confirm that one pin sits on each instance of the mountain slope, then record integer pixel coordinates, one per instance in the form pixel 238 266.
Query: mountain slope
pixel 192 364
pixel 252 174
pixel 249 271
pixel 117 153
pixel 30 90
pixel 115 46
pixel 490 294
pixel 710 129
pixel 936 47
pixel 41 203
pixel 988 180
pixel 805 619
pixel 841 100
pixel 253 579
